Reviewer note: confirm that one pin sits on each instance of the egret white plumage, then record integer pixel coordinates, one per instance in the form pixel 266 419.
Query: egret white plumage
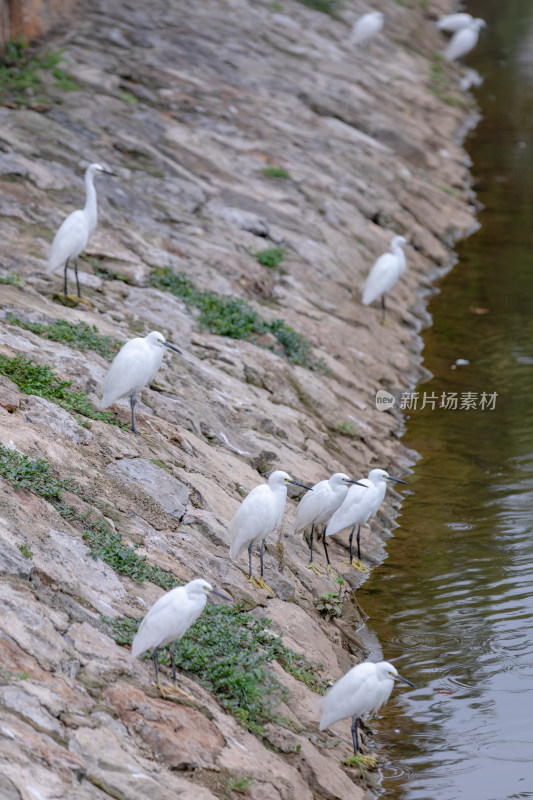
pixel 464 40
pixel 317 506
pixel 366 26
pixel 359 505
pixel 73 233
pixel 133 368
pixel 363 690
pixel 170 618
pixel 385 272
pixel 454 22
pixel 258 515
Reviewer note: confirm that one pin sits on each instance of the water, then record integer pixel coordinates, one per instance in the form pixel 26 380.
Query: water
pixel 453 603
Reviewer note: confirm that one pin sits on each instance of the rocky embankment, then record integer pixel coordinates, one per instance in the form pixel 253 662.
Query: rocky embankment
pixel 234 127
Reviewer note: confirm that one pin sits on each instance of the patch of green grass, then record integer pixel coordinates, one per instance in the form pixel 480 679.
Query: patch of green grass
pixel 276 172
pixel 78 335
pixel 271 257
pixel 10 278
pixel 37 476
pixel 228 652
pixel 330 7
pixel 32 378
pixel 348 428
pixel 239 784
pixel 128 97
pixel 21 74
pixel 230 316
pixel 25 550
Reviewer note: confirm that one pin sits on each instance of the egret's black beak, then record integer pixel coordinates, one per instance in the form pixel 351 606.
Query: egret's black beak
pixel 358 483
pixel 108 172
pixel 219 594
pixel 398 480
pixel 404 680
pixel 297 483
pixel 172 347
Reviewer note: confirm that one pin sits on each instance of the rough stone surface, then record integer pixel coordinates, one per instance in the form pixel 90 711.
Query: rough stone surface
pixel 190 103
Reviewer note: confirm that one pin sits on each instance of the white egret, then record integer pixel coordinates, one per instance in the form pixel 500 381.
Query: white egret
pixel 454 22
pixel 73 233
pixel 366 26
pixel 384 273
pixel 464 40
pixel 133 368
pixel 317 506
pixel 359 505
pixel 170 618
pixel 363 690
pixel 258 515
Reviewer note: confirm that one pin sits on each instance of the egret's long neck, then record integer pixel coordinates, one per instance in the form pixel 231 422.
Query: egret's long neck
pixel 90 200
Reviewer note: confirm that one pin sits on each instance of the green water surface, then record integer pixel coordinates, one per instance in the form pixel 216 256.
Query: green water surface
pixel 453 602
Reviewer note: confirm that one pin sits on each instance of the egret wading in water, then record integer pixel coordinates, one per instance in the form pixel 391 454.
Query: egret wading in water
pixel 454 22
pixel 258 515
pixel 359 505
pixel 384 273
pixel 169 619
pixel 73 233
pixel 363 690
pixel 366 26
pixel 133 368
pixel 317 506
pixel 464 40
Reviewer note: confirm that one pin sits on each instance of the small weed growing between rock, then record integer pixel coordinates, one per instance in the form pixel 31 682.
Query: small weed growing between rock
pixel 230 316
pixel 78 335
pixel 348 429
pixel 326 6
pixel 239 784
pixel 21 75
pixel 10 278
pixel 330 603
pixel 32 378
pixel 276 172
pixel 25 550
pixel 271 257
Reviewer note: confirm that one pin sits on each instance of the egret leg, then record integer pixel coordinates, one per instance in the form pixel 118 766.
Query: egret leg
pixel 65 286
pixel 356 564
pixel 132 404
pixel 156 665
pixel 173 662
pixel 383 321
pixel 326 548
pixel 77 279
pixel 311 565
pixel 355 735
pixel 261 582
pixel 250 561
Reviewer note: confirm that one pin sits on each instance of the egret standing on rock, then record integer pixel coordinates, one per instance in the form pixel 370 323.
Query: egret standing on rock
pixel 384 273
pixel 454 22
pixel 366 26
pixel 259 514
pixel 363 690
pixel 170 618
pixel 359 505
pixel 133 368
pixel 464 40
pixel 317 506
pixel 73 233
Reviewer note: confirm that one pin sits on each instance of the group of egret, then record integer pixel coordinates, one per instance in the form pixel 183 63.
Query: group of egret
pixel 335 504
pixel 465 30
